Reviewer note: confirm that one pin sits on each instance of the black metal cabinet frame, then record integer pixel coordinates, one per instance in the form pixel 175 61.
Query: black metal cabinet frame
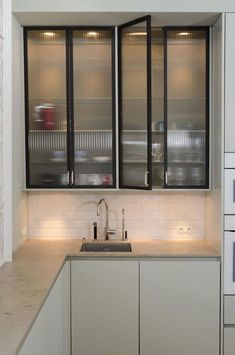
pixel 70 105
pixel 149 118
pixel 207 103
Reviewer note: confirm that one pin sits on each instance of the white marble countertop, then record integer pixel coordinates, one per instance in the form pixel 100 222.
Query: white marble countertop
pixel 26 281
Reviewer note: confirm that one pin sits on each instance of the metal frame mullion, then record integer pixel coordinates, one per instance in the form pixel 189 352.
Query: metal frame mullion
pixel 70 102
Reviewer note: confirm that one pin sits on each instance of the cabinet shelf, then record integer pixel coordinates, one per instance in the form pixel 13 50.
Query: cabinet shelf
pixel 41 131
pixel 52 161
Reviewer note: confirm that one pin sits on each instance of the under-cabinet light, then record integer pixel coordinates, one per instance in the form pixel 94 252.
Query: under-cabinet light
pixel 49 34
pixel 92 34
pixel 137 34
pixel 183 33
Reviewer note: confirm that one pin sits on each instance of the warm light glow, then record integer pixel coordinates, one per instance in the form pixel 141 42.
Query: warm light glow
pixel 137 34
pixel 49 34
pixel 92 34
pixel 183 33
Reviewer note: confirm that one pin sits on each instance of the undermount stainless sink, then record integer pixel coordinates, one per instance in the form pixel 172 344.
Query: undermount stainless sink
pixel 106 247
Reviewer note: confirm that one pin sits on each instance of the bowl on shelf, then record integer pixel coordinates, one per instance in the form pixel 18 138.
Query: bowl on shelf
pixel 103 159
pixel 59 156
pixel 80 156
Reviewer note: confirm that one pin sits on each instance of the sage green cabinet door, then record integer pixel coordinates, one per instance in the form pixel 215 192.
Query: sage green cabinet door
pixel 179 307
pixel 50 333
pixel 104 307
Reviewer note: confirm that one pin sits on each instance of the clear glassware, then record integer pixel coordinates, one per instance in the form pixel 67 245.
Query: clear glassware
pixel 157 152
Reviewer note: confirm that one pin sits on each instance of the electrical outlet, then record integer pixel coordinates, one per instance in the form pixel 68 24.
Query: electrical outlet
pixel 189 230
pixel 180 230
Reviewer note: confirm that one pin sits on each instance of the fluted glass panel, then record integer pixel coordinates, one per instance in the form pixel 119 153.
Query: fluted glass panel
pixel 134 105
pixel 93 146
pixel 47 124
pixel 186 107
pixel 158 124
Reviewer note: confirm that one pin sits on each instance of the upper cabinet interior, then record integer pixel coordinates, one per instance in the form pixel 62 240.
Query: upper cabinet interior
pixel 70 121
pixel 161 82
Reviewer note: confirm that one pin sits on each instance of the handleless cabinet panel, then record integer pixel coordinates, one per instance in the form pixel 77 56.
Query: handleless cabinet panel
pixel 229 84
pixel 229 310
pixel 179 307
pixel 229 341
pixel 104 307
pixel 50 333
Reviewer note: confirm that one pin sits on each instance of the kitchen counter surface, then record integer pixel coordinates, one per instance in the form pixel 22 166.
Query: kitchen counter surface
pixel 26 281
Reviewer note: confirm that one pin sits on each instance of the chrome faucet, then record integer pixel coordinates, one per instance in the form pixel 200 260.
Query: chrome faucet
pixel 107 231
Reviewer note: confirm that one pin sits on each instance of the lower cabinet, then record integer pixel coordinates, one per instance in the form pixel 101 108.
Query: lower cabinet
pixel 132 307
pixel 163 306
pixel 50 333
pixel 104 307
pixel 229 325
pixel 229 341
pixel 179 307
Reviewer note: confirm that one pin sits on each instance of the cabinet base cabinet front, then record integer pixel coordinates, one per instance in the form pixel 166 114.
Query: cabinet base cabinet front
pixel 104 307
pixel 229 341
pixel 50 333
pixel 179 307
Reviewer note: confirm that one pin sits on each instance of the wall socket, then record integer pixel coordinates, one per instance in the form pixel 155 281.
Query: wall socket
pixel 185 230
pixel 24 234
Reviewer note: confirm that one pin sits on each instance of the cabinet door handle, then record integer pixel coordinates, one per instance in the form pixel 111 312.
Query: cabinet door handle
pixel 146 178
pixel 166 177
pixel 72 177
pixel 68 177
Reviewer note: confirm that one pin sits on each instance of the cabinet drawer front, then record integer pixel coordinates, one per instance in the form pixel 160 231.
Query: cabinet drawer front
pixel 229 310
pixel 229 160
pixel 229 263
pixel 229 205
pixel 229 341
pixel 229 223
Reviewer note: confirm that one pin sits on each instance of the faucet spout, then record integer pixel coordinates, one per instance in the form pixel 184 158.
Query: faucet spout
pixel 107 230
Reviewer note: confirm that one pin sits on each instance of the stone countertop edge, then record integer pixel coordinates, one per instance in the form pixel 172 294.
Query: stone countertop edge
pixel 26 282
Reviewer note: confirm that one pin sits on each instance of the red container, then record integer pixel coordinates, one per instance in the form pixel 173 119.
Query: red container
pixel 48 117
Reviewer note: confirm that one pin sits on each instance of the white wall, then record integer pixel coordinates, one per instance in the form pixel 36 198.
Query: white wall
pixel 5 134
pixel 19 199
pixel 1 133
pixel 124 5
pixel 149 215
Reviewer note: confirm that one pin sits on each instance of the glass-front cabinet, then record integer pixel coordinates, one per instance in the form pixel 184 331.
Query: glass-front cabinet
pixel 186 111
pixel 46 108
pixel 176 125
pixel 70 122
pixel 163 106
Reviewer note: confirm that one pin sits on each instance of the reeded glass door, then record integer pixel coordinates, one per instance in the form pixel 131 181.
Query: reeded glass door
pixel 135 104
pixel 186 110
pixel 46 108
pixel 94 110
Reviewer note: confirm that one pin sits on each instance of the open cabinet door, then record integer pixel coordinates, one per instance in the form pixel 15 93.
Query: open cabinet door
pixel 135 146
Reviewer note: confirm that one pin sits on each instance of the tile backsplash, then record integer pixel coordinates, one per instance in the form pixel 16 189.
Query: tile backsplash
pixel 148 215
